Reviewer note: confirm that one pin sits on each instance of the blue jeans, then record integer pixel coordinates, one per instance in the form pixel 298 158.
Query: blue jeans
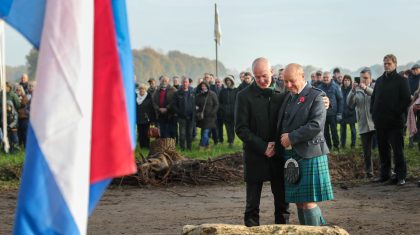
pixel 204 137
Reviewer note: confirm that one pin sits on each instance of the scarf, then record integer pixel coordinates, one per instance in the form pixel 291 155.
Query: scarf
pixel 141 98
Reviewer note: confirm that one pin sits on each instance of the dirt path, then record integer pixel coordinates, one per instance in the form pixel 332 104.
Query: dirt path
pixel 366 209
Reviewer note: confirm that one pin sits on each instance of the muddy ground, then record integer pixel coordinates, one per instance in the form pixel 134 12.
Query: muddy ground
pixel 363 209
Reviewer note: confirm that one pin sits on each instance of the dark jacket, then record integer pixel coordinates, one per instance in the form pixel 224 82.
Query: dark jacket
pixel 227 99
pixel 349 112
pixel 255 124
pixel 210 109
pixel 242 86
pixel 414 81
pixel 333 92
pixel 170 92
pixel 184 103
pixel 304 120
pixel 390 101
pixel 145 112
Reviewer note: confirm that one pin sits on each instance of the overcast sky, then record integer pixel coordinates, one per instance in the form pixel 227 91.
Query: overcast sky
pixel 323 33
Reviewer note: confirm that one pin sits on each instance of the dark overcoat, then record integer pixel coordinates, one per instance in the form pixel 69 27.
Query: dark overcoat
pixel 255 124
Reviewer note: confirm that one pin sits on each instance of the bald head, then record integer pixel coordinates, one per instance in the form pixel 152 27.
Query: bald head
pixel 294 78
pixel 262 72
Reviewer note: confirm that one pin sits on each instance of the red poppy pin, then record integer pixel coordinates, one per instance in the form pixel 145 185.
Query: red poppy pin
pixel 301 99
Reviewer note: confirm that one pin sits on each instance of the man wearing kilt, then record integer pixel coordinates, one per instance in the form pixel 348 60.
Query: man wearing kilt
pixel 300 140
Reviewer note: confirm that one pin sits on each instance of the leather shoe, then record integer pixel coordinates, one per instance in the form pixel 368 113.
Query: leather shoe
pixel 379 180
pixel 401 182
pixel 391 182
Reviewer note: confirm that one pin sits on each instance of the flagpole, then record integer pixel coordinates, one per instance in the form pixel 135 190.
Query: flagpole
pixel 217 71
pixel 217 35
pixel 3 86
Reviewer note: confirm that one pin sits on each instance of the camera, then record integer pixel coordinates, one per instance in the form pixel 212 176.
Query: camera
pixel 357 80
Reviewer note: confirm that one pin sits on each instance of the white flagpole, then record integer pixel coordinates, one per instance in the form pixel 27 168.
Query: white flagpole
pixel 3 85
pixel 217 34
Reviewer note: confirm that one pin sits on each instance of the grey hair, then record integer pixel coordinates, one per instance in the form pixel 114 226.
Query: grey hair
pixel 366 70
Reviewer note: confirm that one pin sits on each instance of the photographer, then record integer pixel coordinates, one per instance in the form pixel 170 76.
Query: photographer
pixel 359 97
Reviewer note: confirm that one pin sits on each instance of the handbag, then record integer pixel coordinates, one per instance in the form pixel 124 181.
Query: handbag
pixel 200 115
pixel 153 132
pixel 291 171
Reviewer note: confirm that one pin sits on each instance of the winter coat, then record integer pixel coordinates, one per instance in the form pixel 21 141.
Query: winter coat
pixel 184 103
pixel 210 110
pixel 256 112
pixel 170 92
pixel 333 92
pixel 390 100
pixel 145 111
pixel 12 116
pixel 360 99
pixel 227 100
pixel 349 111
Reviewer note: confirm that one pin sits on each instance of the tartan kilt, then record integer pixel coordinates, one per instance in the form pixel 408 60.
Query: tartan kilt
pixel 314 184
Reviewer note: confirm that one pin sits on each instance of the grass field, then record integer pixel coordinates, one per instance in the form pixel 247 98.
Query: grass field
pixel 11 164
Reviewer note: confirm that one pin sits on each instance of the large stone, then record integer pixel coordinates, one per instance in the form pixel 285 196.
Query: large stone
pixel 225 229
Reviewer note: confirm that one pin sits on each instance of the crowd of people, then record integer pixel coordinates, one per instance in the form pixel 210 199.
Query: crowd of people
pixel 18 105
pixel 177 109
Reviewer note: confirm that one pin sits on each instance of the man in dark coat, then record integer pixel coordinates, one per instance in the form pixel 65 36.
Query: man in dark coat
pixel 389 105
pixel 248 79
pixel 256 111
pixel 184 106
pixel 334 114
pixel 227 99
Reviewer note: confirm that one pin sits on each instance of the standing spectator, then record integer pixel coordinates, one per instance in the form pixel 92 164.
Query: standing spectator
pixel 184 106
pixel 206 107
pixel 162 103
pixel 23 115
pixel 227 99
pixel 10 95
pixel 24 82
pixel 248 79
pixel 360 97
pixel 152 86
pixel 334 113
pixel 413 81
pixel 279 82
pixel 349 114
pixel 318 79
pixel 313 78
pixel 218 131
pixel 12 125
pixel 389 104
pixel 175 82
pixel 413 119
pixel 145 115
pixel 337 77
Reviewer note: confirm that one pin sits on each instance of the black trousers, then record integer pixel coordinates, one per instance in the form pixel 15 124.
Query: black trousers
pixel 367 139
pixel 387 139
pixel 186 127
pixel 219 124
pixel 331 124
pixel 142 131
pixel 230 130
pixel 253 196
